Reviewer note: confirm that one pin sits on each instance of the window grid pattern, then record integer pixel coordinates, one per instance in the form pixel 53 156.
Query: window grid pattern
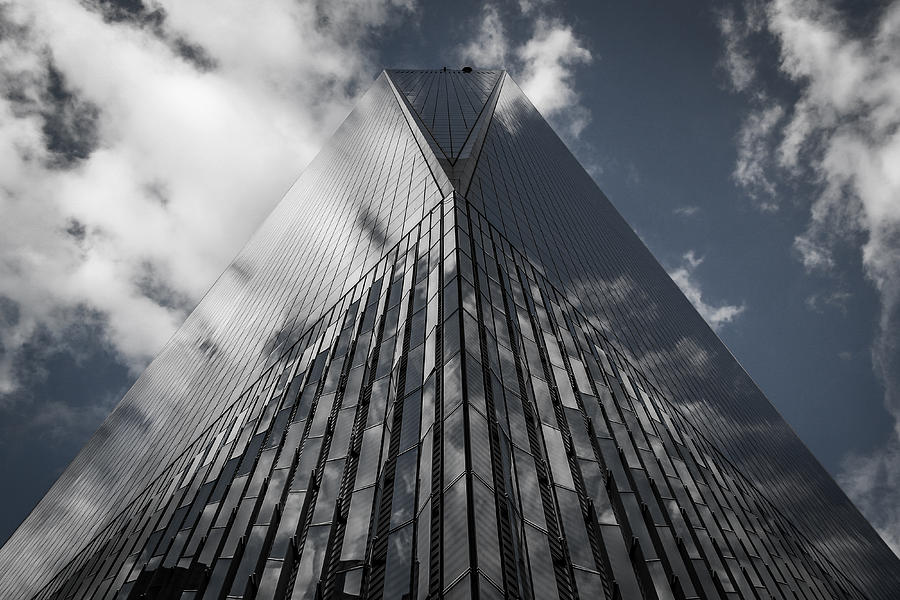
pixel 453 395
pixel 532 189
pixel 455 380
pixel 368 186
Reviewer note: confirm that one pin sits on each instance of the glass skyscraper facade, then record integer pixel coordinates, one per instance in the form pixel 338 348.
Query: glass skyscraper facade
pixel 445 366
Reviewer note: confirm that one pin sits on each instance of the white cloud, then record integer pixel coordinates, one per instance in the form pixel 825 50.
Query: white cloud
pixel 842 131
pixel 873 482
pixel 526 6
pixel 490 47
pixel 737 59
pixel 543 65
pixel 686 211
pixel 547 76
pixel 684 277
pixel 139 150
pixel 814 255
pixel 754 151
pixel 837 298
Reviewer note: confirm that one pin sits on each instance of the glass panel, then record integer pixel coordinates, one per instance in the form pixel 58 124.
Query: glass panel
pixel 398 570
pixel 357 528
pixel 309 568
pixel 456 532
pixel 402 504
pixel 543 580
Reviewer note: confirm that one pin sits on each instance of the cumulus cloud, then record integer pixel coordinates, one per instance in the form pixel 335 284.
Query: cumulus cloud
pixel 141 144
pixel 754 151
pixel 815 255
pixel 685 278
pixel 490 46
pixel 526 6
pixel 871 481
pixel 547 77
pixel 737 32
pixel 840 130
pixel 544 65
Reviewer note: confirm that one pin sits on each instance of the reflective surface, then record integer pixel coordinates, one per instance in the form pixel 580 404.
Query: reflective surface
pixel 533 189
pixel 333 225
pixel 402 389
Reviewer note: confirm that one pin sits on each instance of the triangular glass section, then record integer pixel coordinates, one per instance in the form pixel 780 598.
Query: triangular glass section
pixel 447 102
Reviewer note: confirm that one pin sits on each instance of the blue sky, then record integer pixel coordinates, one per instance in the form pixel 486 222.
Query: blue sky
pixel 753 146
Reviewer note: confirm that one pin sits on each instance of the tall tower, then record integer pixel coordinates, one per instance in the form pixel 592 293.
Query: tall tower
pixel 445 367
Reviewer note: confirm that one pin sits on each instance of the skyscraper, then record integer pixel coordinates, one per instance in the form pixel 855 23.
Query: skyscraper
pixel 445 366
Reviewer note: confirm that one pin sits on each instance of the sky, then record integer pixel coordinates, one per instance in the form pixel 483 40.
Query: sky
pixel 754 147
